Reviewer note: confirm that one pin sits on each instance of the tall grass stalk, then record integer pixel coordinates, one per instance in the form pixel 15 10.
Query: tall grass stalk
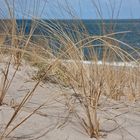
pixel 65 59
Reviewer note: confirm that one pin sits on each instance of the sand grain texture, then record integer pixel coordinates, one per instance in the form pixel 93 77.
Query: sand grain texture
pixel 118 120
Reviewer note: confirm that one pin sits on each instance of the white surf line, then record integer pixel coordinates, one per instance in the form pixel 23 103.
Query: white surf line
pixel 116 64
pixel 127 64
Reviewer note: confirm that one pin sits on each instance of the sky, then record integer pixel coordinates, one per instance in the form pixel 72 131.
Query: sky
pixel 92 9
pixel 66 9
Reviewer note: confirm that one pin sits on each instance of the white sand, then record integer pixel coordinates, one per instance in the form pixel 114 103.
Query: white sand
pixel 53 121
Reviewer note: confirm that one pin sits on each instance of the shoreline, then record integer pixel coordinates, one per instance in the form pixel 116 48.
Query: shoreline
pixel 116 64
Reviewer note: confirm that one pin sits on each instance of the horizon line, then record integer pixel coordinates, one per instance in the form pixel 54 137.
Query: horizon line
pixel 68 19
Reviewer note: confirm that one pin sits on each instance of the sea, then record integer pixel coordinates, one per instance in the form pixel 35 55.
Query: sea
pixel 130 27
pixel 125 30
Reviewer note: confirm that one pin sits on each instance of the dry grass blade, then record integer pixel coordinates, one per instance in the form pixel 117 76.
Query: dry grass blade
pixel 5 82
pixel 90 67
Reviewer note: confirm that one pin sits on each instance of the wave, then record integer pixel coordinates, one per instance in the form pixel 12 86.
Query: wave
pixel 116 64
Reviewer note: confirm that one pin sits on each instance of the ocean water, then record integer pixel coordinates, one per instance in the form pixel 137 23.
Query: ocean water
pixel 129 28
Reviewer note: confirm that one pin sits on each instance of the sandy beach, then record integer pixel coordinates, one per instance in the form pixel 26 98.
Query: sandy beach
pixel 56 119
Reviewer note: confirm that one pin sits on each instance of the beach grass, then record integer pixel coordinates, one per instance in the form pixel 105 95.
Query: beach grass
pixel 65 64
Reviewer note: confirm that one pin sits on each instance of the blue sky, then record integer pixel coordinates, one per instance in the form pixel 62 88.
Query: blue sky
pixel 65 9
pixel 89 8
